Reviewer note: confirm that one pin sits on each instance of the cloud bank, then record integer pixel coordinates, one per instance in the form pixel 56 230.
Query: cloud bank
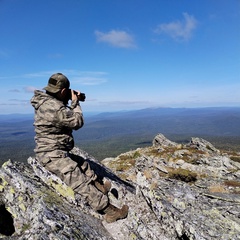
pixel 178 30
pixel 119 39
pixel 75 76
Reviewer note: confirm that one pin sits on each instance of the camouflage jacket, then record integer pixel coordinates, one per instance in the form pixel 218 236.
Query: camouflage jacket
pixel 54 122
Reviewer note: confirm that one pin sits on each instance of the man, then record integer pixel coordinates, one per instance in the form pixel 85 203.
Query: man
pixel 54 123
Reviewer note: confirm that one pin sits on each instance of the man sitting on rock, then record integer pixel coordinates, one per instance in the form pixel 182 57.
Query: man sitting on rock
pixel 54 123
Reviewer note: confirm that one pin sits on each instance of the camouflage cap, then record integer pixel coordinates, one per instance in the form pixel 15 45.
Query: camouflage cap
pixel 57 82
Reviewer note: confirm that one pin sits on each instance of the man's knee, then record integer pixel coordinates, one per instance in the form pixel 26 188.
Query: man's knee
pixel 97 199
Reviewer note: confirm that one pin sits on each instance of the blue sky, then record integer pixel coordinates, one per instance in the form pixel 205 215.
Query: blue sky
pixel 124 54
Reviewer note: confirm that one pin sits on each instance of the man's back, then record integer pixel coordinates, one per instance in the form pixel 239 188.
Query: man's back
pixel 54 123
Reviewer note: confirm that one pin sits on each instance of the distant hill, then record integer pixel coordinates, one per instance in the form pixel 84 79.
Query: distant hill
pixel 15 117
pixel 207 121
pixel 117 132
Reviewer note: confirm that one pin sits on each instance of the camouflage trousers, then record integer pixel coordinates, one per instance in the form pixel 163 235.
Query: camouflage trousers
pixel 77 174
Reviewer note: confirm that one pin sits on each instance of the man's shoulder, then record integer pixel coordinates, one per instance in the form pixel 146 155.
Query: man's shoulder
pixel 50 107
pixel 53 103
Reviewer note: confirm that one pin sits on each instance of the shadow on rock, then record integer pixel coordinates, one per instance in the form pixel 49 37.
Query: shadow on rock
pixel 102 171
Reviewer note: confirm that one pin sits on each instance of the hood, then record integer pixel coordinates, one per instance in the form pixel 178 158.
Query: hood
pixel 39 98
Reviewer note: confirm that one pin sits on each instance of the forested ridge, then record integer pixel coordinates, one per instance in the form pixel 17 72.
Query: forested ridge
pixel 109 134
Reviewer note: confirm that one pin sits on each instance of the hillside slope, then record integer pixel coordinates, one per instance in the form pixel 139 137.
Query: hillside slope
pixel 109 134
pixel 175 191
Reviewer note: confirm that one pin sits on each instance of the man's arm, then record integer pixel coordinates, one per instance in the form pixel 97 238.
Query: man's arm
pixel 71 117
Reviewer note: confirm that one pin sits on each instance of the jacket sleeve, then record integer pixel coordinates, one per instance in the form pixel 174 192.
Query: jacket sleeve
pixel 71 117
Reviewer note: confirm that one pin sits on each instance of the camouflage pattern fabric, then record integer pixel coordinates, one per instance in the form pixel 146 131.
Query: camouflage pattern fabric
pixel 76 173
pixel 54 123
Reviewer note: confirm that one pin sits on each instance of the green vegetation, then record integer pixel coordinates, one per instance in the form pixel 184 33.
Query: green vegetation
pixel 108 135
pixel 19 149
pixel 232 183
pixel 123 164
pixel 235 158
pixel 112 147
pixel 183 175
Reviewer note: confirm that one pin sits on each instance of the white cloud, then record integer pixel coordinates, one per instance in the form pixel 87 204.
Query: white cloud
pixel 86 78
pixel 179 30
pixel 14 90
pixel 75 76
pixel 41 74
pixel 126 103
pixel 89 80
pixel 29 89
pixel 120 39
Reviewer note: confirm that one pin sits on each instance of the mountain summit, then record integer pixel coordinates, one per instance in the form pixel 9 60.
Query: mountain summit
pixel 174 191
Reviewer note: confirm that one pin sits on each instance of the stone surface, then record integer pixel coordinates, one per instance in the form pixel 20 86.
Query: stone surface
pixel 174 191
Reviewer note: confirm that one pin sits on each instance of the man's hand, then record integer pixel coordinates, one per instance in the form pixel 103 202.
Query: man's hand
pixel 75 94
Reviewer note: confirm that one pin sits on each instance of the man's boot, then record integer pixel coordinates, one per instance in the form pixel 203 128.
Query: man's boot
pixel 113 213
pixel 104 188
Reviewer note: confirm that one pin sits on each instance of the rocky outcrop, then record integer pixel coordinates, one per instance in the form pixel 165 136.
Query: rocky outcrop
pixel 40 212
pixel 192 191
pixel 174 191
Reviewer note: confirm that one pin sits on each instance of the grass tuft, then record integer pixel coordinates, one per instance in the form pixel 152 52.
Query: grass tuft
pixel 183 175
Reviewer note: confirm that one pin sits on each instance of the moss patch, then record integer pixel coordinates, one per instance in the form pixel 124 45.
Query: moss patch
pixel 124 162
pixel 191 156
pixel 232 183
pixel 235 158
pixel 183 175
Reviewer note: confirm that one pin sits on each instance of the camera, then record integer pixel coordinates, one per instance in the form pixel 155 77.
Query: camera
pixel 81 97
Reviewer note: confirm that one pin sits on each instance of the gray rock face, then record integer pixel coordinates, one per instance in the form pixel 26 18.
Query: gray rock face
pixel 174 191
pixel 161 141
pixel 39 212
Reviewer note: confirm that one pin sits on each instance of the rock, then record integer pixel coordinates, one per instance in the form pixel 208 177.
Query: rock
pixel 161 141
pixel 189 192
pixel 203 145
pixel 195 204
pixel 39 212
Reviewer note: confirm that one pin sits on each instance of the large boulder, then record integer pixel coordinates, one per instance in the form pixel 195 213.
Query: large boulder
pixel 39 211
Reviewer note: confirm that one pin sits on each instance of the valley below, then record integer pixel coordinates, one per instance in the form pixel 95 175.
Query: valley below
pixel 109 134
